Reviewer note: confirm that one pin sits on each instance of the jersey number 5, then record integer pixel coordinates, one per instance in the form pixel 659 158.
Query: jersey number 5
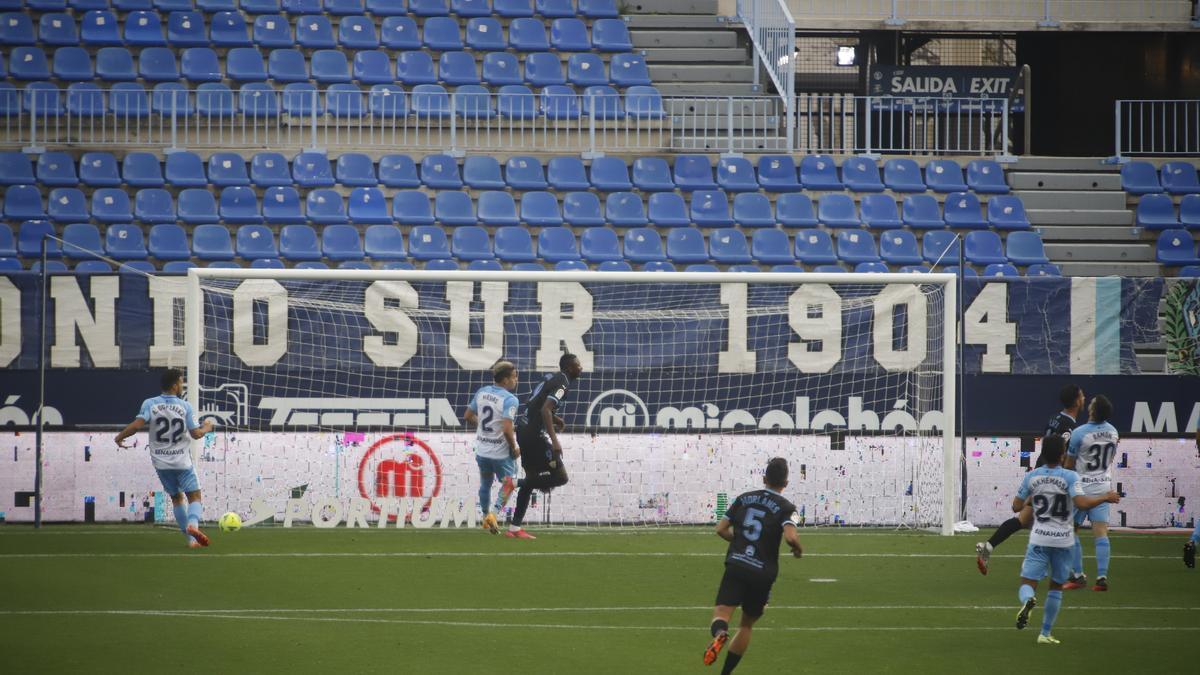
pixel 752 525
pixel 1044 508
pixel 168 431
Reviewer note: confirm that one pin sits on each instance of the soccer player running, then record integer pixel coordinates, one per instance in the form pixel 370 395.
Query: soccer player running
pixel 492 410
pixel 172 428
pixel 537 432
pixel 1054 493
pixel 1090 454
pixel 1189 549
pixel 753 526
pixel 1062 424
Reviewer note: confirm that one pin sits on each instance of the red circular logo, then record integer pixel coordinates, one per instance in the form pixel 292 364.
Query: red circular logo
pixel 399 466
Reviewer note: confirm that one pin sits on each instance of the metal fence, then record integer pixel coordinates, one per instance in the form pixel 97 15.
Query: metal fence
pixel 912 126
pixel 1046 13
pixel 773 39
pixel 1157 127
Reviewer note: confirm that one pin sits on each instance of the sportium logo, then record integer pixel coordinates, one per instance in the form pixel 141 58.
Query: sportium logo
pixel 399 467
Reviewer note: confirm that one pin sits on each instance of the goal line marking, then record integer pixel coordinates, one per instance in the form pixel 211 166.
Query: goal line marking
pixel 528 610
pixel 510 554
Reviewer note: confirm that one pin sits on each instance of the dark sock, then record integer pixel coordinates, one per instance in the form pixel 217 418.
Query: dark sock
pixel 523 496
pixel 731 661
pixel 1007 529
pixel 719 626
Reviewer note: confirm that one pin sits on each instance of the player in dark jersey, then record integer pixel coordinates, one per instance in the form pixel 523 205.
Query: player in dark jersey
pixel 1061 425
pixel 754 525
pixel 537 434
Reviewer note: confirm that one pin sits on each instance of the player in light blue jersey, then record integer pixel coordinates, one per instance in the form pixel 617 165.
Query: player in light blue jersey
pixel 1189 549
pixel 492 410
pixel 1090 454
pixel 1054 493
pixel 172 427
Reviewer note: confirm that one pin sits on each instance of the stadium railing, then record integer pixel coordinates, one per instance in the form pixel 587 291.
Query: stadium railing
pixel 773 35
pixel 1156 127
pixel 1046 13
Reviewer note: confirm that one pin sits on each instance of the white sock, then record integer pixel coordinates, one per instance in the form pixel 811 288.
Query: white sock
pixel 514 528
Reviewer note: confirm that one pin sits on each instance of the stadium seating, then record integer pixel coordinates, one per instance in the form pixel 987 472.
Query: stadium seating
pixel 643 245
pixel 903 175
pixel 1140 178
pixel 1179 178
pixel 879 212
pixel 299 243
pixel 686 245
pixel 1006 212
pixel 752 210
pixel 985 176
pixel 940 247
pixel 1004 270
pixel 1176 247
pixel 557 244
pixel 599 244
pixel 983 248
pixel 1156 212
pixel 944 175
pixel 1189 211
pixel 729 246
pixel 819 172
pixel 693 172
pixel 856 246
pixel 963 211
pixel 710 208
pixel 899 247
pixel 861 175
pixel 736 174
pixel 838 210
pixel 1025 248
pixel 771 246
pixel 814 247
pixel 384 243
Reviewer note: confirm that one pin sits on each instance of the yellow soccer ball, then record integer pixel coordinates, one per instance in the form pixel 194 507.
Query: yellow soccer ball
pixel 231 522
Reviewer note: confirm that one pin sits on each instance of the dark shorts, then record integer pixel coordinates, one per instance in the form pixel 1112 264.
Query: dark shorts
pixel 744 588
pixel 536 452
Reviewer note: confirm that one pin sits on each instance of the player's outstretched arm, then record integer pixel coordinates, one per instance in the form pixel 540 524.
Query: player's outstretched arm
pixel 135 426
pixel 792 539
pixel 470 418
pixel 203 429
pixel 1085 502
pixel 725 529
pixel 1018 504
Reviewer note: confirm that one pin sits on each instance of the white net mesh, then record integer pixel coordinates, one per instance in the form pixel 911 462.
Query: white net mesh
pixel 333 388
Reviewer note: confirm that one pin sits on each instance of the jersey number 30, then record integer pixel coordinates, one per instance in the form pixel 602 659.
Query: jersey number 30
pixel 168 431
pixel 1099 456
pixel 1045 508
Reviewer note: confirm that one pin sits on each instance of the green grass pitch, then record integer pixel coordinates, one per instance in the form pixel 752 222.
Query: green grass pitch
pixel 268 600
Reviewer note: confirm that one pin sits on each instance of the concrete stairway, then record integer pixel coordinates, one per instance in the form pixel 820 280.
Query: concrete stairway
pixel 691 49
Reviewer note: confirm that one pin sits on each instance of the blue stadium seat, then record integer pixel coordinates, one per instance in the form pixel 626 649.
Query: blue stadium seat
pixel 127 99
pixel 440 33
pixel 52 266
pixel 586 70
pixel 501 68
pixel 528 35
pixel 728 246
pixel 603 103
pixel 543 69
pixel 154 205
pixel 73 64
pixel 345 101
pixel 600 244
pixel 44 99
pixel 1000 270
pixel 944 175
pixel 879 212
pixel 330 66
pixel 736 174
pixel 940 247
pixel 1156 212
pixel 299 243
pixel 513 9
pixel 200 64
pixel 302 6
pixel 325 207
pixel 63 205
pixel 384 242
pixel 142 169
pixel 751 209
pixel 861 175
pixel 551 9
pixel 97 169
pixel 120 5
pixel 354 169
pixel 473 101
pixel 629 70
pixel 624 209
pixel 902 175
pixel 485 266
pixel 387 101
pixel 212 242
pixel 136 267
pixel 109 205
pixel 983 248
pixel 524 172
pixel 387 7
pixel 814 247
pixel 643 244
pixel 528 267
pixel 667 209
pixel 256 242
pixel 400 32
pixel 268 169
pixel 1189 211
pixel 1024 248
pixel 373 67
pixel 144 29
pixel 315 32
pixel 100 28
pixel 115 64
pixel 497 208
pixel 557 244
pixel 211 6
pixel 777 173
pixel 281 204
pixel 428 242
pixel 8 245
pixel 914 269
pixel 693 172
pixel 569 35
pixel 29 239
pixel 899 247
pixel 187 29
pixel 85 99
pixel 582 209
pixel 124 241
pixel 55 169
pixel 16 169
pixel 341 243
pixel 1048 270
pixel 611 35
pixel 412 207
pixel 514 244
pixel 1176 247
pixel 312 169
pixel 922 212
pixel 471 243
pixel 457 68
pixel 239 205
pixel 287 65
pixel 1006 212
pixel 470 8
pixel 245 64
pixel 985 176
pixel 598 9
pixel 1179 178
pixel 398 171
pixel 227 168
pixel 197 206
pixel 1187 271
pixel 168 241
pixel 517 102
pixel 17 29
pixel 567 173
pixel 28 63
pixel 258 100
pixel 580 266
pixel 652 174
pixel 837 210
pixel 171 98
pixel 609 174
pixel 540 209
pixel 310 265
pixel 430 101
pixel 771 247
pixel 357 32
pixel 1140 178
pixel 267 264
pixel 178 267
pixel 856 246
pixel 92 267
pixel 440 172
pixel 686 245
pixel 652 266
pixel 428 7
pixel 228 29
pixel 455 209
pixel 368 206
pixel 819 172
pixel 261 6
pixel 962 211
pixel 795 210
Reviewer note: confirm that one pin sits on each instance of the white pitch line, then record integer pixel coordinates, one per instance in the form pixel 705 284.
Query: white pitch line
pixel 509 554
pixel 519 610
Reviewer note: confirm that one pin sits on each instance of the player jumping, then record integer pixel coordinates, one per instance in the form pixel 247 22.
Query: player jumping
pixel 172 427
pixel 1054 493
pixel 753 526
pixel 1090 454
pixel 537 432
pixel 492 409
pixel 1062 424
pixel 1189 549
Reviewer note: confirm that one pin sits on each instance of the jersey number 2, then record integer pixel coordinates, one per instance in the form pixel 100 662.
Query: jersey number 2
pixel 485 418
pixel 168 431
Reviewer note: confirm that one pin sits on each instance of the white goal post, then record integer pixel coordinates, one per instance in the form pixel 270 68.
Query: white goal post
pixel 351 384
